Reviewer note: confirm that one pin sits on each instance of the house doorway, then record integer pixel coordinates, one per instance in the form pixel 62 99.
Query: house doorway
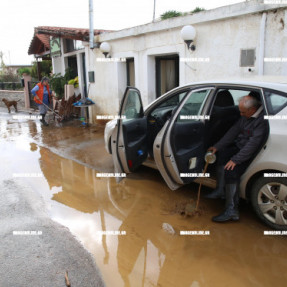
pixel 130 72
pixel 84 75
pixel 167 73
pixel 72 64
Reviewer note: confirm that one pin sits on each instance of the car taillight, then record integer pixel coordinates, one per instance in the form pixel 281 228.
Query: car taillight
pixel 130 163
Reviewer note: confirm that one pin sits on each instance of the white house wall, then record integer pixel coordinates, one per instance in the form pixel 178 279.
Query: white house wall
pixel 57 64
pixel 221 34
pixel 276 42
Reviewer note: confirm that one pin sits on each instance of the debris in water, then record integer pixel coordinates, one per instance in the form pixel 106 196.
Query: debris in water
pixel 67 279
pixel 189 209
pixel 168 228
pixel 183 207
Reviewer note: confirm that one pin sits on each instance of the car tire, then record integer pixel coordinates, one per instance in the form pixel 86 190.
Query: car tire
pixel 269 200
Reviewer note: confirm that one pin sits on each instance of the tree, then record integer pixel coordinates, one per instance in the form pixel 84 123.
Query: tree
pixel 2 61
pixel 22 71
pixel 45 68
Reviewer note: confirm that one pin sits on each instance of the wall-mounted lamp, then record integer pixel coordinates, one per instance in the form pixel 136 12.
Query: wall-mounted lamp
pixel 105 47
pixel 188 34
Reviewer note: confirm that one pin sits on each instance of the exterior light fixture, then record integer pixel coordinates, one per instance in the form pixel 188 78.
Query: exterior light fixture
pixel 188 34
pixel 105 48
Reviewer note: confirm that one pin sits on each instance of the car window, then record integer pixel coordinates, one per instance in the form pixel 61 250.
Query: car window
pixel 275 102
pixel 193 106
pixel 132 106
pixel 237 94
pixel 170 103
pixel 229 97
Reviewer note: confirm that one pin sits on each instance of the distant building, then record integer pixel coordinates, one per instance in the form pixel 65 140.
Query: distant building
pixel 14 68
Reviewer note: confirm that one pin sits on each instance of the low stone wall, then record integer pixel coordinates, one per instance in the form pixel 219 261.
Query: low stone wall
pixel 12 95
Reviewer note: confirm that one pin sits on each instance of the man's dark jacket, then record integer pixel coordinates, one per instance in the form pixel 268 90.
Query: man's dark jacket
pixel 247 134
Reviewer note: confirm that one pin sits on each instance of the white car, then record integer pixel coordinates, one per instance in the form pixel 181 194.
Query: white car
pixel 173 133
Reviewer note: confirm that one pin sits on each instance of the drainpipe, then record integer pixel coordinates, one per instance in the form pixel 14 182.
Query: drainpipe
pixel 91 15
pixel 262 45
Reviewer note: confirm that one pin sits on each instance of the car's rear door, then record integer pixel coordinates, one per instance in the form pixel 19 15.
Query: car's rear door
pixel 129 138
pixel 179 147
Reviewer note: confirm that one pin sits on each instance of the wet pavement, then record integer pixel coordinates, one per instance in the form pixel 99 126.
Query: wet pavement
pixel 67 160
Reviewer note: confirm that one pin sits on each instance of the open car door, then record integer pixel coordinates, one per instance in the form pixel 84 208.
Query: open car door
pixel 129 138
pixel 179 147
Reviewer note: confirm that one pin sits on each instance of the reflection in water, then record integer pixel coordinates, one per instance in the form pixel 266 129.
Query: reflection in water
pixel 146 255
pixel 232 255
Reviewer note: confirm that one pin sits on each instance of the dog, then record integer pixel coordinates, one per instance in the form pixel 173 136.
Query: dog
pixel 10 103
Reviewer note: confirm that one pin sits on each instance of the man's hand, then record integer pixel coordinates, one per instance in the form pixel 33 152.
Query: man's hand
pixel 230 165
pixel 212 149
pixel 37 98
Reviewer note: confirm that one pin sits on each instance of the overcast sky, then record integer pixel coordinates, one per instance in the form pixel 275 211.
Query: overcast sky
pixel 18 18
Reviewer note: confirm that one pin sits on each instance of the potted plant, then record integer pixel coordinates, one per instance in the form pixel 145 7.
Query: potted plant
pixel 58 83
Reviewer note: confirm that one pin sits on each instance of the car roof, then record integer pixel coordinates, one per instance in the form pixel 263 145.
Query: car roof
pixel 280 84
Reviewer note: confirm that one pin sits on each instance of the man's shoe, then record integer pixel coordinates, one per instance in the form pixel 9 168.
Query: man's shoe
pixel 218 192
pixel 231 204
pixel 227 215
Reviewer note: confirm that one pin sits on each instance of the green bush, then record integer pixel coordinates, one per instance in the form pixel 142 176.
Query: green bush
pixel 58 83
pixel 170 14
pixel 45 69
pixel 197 9
pixel 22 71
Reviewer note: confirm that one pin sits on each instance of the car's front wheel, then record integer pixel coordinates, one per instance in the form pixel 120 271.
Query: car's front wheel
pixel 269 200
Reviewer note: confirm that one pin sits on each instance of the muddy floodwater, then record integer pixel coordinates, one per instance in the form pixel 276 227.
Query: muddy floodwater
pixel 122 224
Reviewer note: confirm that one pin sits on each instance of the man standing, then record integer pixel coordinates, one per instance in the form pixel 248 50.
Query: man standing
pixel 42 96
pixel 235 152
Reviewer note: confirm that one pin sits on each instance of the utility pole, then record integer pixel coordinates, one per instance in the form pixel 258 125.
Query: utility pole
pixel 91 18
pixel 153 19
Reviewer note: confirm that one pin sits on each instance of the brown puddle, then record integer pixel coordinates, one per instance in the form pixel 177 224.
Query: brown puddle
pixel 234 254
